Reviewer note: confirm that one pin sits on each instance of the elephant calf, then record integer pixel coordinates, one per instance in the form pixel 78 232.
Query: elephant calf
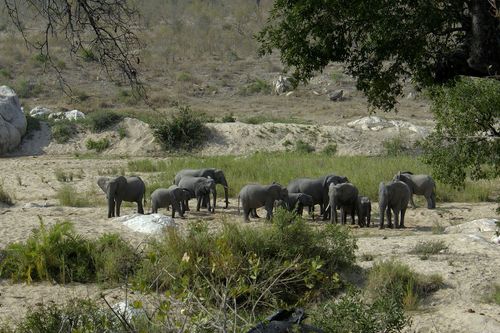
pixel 199 188
pixel 344 196
pixel 297 201
pixel 255 196
pixel 174 195
pixel 120 189
pixel 393 196
pixel 363 210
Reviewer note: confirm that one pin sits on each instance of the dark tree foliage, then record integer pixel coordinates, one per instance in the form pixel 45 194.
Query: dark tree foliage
pixel 466 141
pixel 96 30
pixel 384 42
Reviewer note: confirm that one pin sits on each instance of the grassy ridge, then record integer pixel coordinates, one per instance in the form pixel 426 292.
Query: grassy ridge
pixel 365 172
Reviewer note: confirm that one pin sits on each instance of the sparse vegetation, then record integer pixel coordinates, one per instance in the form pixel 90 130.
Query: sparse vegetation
pixel 390 277
pixel 185 130
pixel 260 119
pixel 122 132
pixel 98 145
pixel 228 118
pixel 330 149
pixel 395 147
pixel 69 196
pixel 429 247
pixel 255 86
pixel 28 89
pixel 99 121
pixel 494 296
pixel 303 147
pixel 5 197
pixel 63 176
pixel 63 130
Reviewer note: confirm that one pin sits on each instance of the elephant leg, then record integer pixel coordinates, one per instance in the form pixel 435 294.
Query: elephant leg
pixel 198 203
pixel 204 202
pixel 269 211
pixel 412 202
pixel 246 213
pixel 368 220
pixel 140 208
pixel 433 200
pixel 389 220
pixel 396 219
pixel 118 205
pixel 402 222
pixel 253 213
pixel 353 221
pixel 186 205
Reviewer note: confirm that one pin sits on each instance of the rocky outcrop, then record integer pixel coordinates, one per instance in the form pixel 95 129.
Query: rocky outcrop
pixel 12 120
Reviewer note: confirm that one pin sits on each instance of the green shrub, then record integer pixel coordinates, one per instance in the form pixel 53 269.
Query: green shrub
pixel 494 296
pixel 395 147
pixel 77 315
pixel 63 176
pixel 303 147
pixel 99 121
pixel 185 130
pixel 228 118
pixel 28 89
pixel 5 197
pixel 282 263
pixel 429 247
pixel 391 277
pixel 63 130
pixel 330 149
pixel 68 196
pixel 122 132
pixel 353 314
pixel 88 55
pixel 256 86
pixel 98 145
pixel 41 58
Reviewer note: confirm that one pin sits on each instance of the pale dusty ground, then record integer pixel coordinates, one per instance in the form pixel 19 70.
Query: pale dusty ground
pixel 469 267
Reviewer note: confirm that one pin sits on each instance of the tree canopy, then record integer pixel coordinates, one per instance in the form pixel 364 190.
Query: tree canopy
pixel 385 42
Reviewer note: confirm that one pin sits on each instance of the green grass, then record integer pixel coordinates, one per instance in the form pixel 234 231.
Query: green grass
pixel 63 130
pixel 429 247
pixel 98 145
pixel 365 172
pixel 303 147
pixel 69 196
pixel 63 176
pixel 391 277
pixel 494 297
pixel 256 86
pixel 99 121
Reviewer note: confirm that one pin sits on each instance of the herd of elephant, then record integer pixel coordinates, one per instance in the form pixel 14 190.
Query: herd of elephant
pixel 330 192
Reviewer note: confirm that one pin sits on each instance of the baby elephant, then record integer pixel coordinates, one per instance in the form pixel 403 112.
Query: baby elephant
pixel 162 198
pixel 255 196
pixel 297 201
pixel 364 210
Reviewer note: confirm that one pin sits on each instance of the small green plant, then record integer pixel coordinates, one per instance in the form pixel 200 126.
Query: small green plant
pixel 429 247
pixel 63 176
pixel 99 121
pixel 437 228
pixel 185 130
pixel 98 145
pixel 88 55
pixel 391 277
pixel 63 130
pixel 28 89
pixel 494 296
pixel 330 149
pixel 5 197
pixel 69 196
pixel 184 77
pixel 395 147
pixel 256 86
pixel 303 147
pixel 122 132
pixel 228 118
pixel 41 58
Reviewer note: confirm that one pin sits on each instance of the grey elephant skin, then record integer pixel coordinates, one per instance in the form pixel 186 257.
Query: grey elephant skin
pixel 393 197
pixel 216 174
pixel 118 189
pixel 345 197
pixel 255 196
pixel 317 188
pixel 419 185
pixel 163 198
pixel 296 202
pixel 363 210
pixel 199 188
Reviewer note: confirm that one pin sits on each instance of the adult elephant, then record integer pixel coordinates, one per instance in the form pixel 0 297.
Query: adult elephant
pixel 255 196
pixel 419 185
pixel 199 188
pixel 216 174
pixel 394 197
pixel 120 189
pixel 345 197
pixel 317 188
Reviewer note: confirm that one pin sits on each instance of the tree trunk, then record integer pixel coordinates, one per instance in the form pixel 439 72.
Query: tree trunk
pixel 484 54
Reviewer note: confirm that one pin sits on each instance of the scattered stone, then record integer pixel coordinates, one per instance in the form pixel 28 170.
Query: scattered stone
pixel 471 311
pixel 336 95
pixel 480 225
pixel 40 111
pixel 282 84
pixel 148 224
pixel 70 115
pixel 127 311
pixel 12 120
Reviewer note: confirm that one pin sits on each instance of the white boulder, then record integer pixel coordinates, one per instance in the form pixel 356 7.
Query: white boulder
pixel 40 111
pixel 374 123
pixel 12 120
pixel 70 115
pixel 148 224
pixel 336 95
pixel 282 84
pixel 480 225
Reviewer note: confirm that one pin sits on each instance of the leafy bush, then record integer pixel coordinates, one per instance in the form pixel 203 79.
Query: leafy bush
pixel 395 147
pixel 97 145
pixel 63 130
pixel 5 197
pixel 256 86
pixel 228 118
pixel 77 315
pixel 303 147
pixel 353 314
pixel 185 130
pixel 280 264
pixel 122 132
pixel 99 121
pixel 391 277
pixel 58 254
pixel 330 149
pixel 68 196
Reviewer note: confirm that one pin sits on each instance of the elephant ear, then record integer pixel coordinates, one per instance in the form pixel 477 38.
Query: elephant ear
pixel 119 183
pixel 103 182
pixel 326 182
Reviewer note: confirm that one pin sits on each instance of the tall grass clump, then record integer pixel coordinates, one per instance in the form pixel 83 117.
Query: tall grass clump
pixel 352 313
pixel 99 121
pixel 5 197
pixel 57 253
pixel 429 247
pixel 284 263
pixel 69 196
pixel 255 86
pixel 184 130
pixel 63 130
pixel 390 277
pixel 98 145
